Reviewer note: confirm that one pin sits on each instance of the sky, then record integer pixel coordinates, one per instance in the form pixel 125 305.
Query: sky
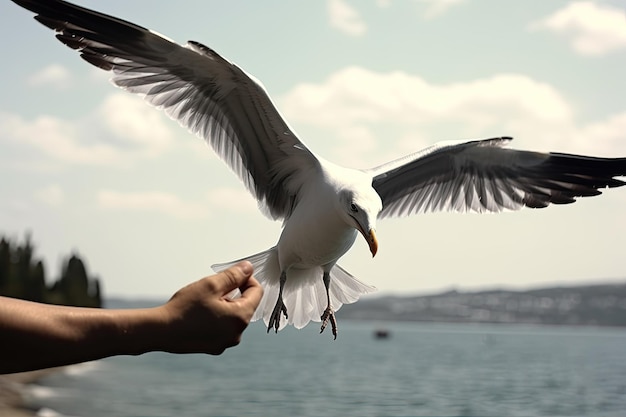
pixel 89 169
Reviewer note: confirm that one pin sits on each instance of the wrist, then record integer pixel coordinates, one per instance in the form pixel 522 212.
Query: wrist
pixel 140 331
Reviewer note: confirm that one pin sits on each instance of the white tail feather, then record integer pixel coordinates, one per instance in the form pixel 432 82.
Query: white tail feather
pixel 304 294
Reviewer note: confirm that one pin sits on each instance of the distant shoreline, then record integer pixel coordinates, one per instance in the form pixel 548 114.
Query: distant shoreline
pixel 590 305
pixel 12 403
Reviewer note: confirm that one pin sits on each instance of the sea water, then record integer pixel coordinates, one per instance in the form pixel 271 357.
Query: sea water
pixel 420 370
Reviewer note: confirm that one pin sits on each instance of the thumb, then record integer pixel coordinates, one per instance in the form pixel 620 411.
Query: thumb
pixel 234 277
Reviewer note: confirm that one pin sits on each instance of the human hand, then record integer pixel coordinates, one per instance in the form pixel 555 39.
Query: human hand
pixel 199 318
pixel 202 319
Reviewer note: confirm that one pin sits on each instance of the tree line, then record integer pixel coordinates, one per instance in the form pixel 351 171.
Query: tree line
pixel 22 276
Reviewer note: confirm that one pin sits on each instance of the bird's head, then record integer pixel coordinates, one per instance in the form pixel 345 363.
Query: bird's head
pixel 361 209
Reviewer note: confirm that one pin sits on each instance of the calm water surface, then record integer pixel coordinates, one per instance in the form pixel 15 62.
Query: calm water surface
pixel 421 370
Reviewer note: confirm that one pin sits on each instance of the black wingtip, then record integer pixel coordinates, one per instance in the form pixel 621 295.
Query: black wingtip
pixel 47 22
pixel 594 171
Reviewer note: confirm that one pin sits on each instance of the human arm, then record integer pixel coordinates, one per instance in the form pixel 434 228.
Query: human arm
pixel 199 318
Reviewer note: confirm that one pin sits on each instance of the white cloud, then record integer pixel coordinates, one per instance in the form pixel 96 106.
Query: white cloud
pixel 348 20
pixel 129 117
pixel 233 200
pixel 397 113
pixel 356 94
pixel 121 129
pixel 56 138
pixel 54 75
pixel 436 8
pixel 151 201
pixel 591 28
pixel 345 18
pixel 51 195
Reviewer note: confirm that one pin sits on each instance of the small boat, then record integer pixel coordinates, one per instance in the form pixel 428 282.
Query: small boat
pixel 381 334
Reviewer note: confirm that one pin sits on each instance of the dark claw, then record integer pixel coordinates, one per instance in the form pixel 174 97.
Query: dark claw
pixel 275 317
pixel 329 315
pixel 333 325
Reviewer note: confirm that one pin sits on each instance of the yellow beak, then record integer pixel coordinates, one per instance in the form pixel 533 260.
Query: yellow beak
pixel 372 241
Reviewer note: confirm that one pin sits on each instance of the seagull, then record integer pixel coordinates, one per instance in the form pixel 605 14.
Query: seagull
pixel 324 207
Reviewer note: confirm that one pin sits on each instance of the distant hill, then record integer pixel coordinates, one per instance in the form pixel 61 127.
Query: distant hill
pixel 601 305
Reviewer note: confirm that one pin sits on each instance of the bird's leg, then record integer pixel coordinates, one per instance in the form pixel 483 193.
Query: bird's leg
pixel 329 314
pixel 279 307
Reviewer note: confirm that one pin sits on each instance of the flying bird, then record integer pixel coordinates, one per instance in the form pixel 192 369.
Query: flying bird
pixel 324 207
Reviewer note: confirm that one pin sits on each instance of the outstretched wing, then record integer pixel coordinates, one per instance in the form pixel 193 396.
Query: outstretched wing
pixel 482 176
pixel 193 84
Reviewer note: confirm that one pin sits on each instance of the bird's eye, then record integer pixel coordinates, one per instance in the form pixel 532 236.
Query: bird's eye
pixel 353 207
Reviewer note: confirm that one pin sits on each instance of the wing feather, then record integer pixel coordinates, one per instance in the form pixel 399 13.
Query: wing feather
pixel 483 176
pixel 194 85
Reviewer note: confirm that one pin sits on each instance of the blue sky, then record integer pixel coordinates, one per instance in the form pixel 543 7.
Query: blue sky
pixel 91 169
